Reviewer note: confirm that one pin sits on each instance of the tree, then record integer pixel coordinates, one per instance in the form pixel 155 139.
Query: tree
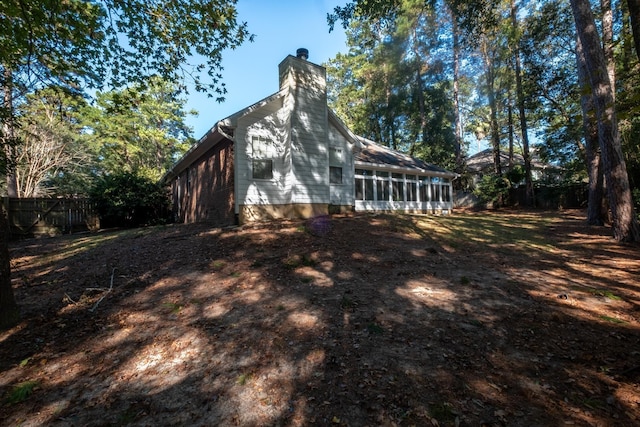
pixel 51 140
pixel 520 97
pixel 393 86
pixel 624 221
pixel 87 43
pixel 139 129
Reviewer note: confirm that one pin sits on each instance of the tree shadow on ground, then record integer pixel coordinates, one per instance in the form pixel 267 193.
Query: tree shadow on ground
pixel 366 320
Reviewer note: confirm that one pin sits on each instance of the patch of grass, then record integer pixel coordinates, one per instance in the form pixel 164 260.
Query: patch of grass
pixel 375 329
pixel 280 307
pixel 443 412
pixel 307 279
pixel 235 274
pixel 127 417
pixel 347 302
pixel 593 403
pixel 217 265
pixel 612 319
pixel 296 261
pixel 243 379
pixel 172 307
pixel 605 293
pixel 464 280
pixel 21 392
pixel 24 362
pixel 257 264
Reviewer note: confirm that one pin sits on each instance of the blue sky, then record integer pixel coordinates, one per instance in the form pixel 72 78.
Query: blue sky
pixel 251 71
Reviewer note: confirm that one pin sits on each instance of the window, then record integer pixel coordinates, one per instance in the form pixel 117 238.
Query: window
pixel 382 186
pixel 446 193
pixel 412 188
pixel 424 189
pixel 263 169
pixel 364 184
pixel 263 151
pixel 335 175
pixel 398 187
pixel 335 156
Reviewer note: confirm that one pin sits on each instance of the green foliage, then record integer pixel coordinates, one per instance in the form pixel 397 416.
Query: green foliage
pixel 516 175
pixel 21 392
pixel 493 189
pixel 129 200
pixel 140 129
pixel 53 157
pixel 384 89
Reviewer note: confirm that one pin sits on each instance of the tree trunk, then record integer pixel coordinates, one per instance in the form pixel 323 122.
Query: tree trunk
pixel 526 155
pixel 511 132
pixel 9 310
pixel 624 222
pixel 456 94
pixel 634 15
pixel 8 129
pixel 490 87
pixel 607 43
pixel 595 213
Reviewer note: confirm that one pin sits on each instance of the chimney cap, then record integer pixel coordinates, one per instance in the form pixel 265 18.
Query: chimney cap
pixel 302 53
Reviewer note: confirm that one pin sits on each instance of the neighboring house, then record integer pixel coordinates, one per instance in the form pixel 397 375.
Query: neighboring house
pixel 481 164
pixel 289 155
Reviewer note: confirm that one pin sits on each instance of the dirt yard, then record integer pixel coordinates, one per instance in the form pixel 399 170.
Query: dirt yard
pixel 474 319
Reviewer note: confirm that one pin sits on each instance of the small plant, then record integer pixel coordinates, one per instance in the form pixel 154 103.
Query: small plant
pixel 172 307
pixel 605 293
pixel 375 329
pixel 443 412
pixel 296 261
pixel 217 265
pixel 612 319
pixel 347 302
pixel 21 392
pixel 464 280
pixel 243 379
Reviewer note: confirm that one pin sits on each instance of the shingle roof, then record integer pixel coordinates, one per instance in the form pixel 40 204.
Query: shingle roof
pixel 380 156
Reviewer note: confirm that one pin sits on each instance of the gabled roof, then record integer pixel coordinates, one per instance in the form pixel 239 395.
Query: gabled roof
pixel 379 156
pixel 483 161
pixel 224 129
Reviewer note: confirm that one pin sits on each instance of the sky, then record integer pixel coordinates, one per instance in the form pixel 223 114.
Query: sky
pixel 251 71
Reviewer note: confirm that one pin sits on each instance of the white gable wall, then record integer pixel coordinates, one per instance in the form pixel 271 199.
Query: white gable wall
pixel 341 194
pixel 271 123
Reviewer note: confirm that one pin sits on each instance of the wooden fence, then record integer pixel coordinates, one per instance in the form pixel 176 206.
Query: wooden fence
pixel 46 216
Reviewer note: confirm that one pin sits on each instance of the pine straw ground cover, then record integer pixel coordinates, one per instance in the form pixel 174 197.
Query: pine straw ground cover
pixel 491 318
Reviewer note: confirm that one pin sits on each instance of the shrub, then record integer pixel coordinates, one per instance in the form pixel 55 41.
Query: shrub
pixel 493 189
pixel 129 200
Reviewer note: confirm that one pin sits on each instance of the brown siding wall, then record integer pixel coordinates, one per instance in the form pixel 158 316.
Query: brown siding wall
pixel 204 191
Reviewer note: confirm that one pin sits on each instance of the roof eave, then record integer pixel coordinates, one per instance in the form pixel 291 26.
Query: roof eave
pixel 384 166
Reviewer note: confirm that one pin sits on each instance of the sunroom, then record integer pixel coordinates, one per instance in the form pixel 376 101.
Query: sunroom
pixel 386 180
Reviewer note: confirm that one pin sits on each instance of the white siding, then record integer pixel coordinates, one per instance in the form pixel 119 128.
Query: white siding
pixel 342 194
pixel 309 120
pixel 270 124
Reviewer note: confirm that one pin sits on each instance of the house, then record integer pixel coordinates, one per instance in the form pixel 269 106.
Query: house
pixel 482 163
pixel 289 155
